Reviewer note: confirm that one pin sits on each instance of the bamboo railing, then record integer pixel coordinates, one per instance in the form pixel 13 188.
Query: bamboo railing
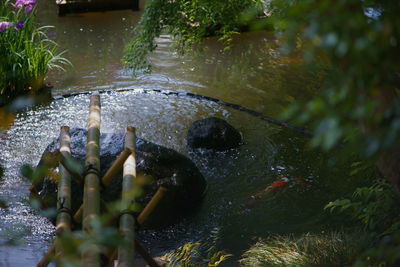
pixel 89 211
pixel 112 172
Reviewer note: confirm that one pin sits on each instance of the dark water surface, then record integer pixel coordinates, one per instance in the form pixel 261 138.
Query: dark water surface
pixel 254 74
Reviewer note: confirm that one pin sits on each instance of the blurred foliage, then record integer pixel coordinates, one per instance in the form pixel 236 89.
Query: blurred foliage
pixel 104 235
pixel 355 42
pixel 358 41
pixel 385 253
pixel 189 22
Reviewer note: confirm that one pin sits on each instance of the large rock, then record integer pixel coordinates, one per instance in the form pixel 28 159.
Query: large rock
pixel 213 133
pixel 165 167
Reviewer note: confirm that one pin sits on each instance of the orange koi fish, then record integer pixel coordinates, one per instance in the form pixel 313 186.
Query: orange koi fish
pixel 274 188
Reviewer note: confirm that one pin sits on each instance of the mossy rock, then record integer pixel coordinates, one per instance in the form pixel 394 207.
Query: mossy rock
pixel 213 133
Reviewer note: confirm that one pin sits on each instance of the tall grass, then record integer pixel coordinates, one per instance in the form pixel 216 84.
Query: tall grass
pixel 26 54
pixel 196 254
pixel 330 249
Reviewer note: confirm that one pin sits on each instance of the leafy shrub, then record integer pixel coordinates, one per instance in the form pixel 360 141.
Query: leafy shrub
pixel 358 41
pixel 376 207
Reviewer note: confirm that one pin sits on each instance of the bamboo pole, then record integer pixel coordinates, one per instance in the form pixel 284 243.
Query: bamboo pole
pixel 64 190
pixel 127 221
pixel 45 260
pixel 91 192
pixel 151 205
pixel 112 172
pixel 64 199
pixel 145 254
pixel 141 219
pixel 139 248
pixel 116 167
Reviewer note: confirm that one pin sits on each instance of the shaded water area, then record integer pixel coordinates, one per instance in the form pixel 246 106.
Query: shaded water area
pixel 254 74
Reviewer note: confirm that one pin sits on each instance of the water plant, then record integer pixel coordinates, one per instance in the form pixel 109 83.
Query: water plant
pixel 200 253
pixel 323 249
pixel 26 52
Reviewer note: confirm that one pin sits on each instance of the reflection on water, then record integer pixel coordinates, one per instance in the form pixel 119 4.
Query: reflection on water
pixel 253 74
pixel 232 177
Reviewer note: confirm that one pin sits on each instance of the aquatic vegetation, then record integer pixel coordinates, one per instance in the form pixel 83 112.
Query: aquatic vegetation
pixel 25 51
pixel 202 253
pixel 26 4
pixel 325 249
pixel 5 25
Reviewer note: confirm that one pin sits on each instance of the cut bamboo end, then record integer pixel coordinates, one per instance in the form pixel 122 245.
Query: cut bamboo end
pixel 94 112
pixel 131 129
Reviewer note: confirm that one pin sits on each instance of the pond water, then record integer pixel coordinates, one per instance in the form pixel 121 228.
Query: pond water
pixel 254 74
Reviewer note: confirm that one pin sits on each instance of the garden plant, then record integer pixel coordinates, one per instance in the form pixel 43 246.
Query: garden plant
pixel 26 52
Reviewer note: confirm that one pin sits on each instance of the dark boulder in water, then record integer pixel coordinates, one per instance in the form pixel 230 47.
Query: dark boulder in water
pixel 161 165
pixel 213 133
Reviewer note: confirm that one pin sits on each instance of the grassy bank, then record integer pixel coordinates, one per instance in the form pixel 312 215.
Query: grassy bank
pixel 369 224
